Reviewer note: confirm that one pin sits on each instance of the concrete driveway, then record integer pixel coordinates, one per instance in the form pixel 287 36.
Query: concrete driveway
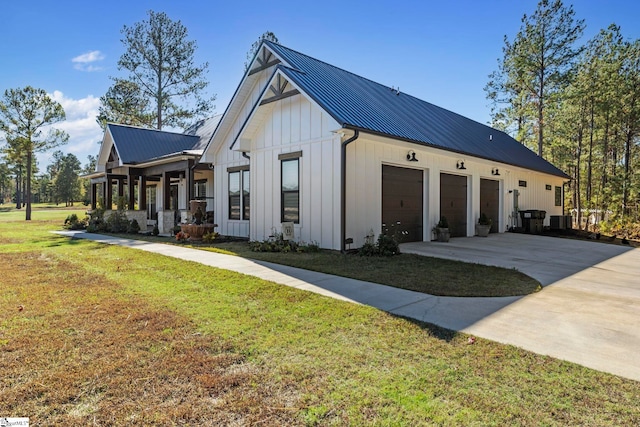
pixel 588 311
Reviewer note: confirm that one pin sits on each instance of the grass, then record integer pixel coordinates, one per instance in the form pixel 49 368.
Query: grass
pixel 96 334
pixel 407 271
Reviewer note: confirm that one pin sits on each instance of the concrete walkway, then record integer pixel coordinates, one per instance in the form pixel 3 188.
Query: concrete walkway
pixel 588 313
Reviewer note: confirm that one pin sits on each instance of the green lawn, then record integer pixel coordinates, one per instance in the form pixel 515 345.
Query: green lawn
pixel 100 334
pixel 407 271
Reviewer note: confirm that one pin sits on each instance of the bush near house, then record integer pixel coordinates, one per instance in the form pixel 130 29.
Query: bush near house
pixel 384 246
pixel 73 223
pixel 277 243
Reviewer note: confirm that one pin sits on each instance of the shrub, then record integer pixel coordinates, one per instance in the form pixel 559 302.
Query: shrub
pixel 385 246
pixel 210 237
pixel 155 230
pixel 73 223
pixel 443 223
pixel 275 243
pixel 368 249
pixel 117 222
pixel 388 246
pixel 312 247
pixel 484 219
pixel 96 221
pixel 134 227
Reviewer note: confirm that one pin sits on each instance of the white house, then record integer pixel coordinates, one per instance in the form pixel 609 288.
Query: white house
pixel 340 156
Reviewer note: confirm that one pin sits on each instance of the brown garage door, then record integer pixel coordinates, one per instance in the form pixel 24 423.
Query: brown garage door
pixel 453 203
pixel 402 191
pixel 490 201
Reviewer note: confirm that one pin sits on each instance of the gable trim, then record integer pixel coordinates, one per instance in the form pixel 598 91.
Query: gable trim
pixel 234 98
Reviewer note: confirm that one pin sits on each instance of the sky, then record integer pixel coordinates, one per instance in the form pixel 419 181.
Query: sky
pixel 439 51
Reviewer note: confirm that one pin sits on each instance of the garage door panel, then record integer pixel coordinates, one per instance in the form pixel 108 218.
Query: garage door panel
pixel 490 201
pixel 453 203
pixel 402 201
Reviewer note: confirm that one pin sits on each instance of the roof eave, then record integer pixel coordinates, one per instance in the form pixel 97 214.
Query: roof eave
pixel 559 174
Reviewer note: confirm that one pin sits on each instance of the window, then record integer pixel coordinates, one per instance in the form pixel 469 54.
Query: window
pixel 239 194
pixel 200 189
pixel 558 196
pixel 290 191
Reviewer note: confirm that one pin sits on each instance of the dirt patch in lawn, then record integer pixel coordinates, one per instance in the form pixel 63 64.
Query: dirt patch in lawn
pixel 75 350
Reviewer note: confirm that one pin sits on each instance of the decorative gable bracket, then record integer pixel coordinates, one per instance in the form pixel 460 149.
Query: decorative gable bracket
pixel 265 60
pixel 279 91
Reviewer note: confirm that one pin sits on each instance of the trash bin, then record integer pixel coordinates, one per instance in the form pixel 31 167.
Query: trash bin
pixel 532 220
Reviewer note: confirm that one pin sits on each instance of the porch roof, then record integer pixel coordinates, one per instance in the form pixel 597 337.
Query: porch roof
pixel 139 145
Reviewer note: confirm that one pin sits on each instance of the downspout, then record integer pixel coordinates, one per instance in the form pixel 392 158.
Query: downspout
pixel 245 155
pixel 343 191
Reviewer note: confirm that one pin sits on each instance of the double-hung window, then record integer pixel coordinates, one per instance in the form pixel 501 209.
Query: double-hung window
pixel 239 207
pixel 200 189
pixel 290 187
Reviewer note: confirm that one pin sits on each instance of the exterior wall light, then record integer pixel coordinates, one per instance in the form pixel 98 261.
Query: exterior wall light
pixel 460 165
pixel 411 156
pixel 495 172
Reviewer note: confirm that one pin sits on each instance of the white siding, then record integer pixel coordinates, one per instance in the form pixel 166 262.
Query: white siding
pixel 367 154
pixel 285 130
pixel 298 124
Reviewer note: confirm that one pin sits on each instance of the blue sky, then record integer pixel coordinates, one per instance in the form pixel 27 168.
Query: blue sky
pixel 441 51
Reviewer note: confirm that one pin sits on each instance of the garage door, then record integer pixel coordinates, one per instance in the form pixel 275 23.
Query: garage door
pixel 490 201
pixel 402 191
pixel 453 203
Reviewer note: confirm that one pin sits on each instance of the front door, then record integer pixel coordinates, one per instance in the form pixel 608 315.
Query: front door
pixel 402 200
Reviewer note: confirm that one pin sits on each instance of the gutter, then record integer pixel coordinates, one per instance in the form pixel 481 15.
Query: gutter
pixel 343 190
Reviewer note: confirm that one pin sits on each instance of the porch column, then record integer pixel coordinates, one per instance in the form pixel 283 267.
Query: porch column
pixel 120 187
pixel 142 192
pixel 131 183
pixel 166 191
pixel 108 193
pixel 188 174
pixel 94 191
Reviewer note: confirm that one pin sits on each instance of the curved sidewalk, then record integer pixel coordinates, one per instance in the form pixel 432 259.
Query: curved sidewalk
pixel 576 318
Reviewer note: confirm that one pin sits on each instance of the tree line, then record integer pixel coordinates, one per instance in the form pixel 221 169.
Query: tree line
pixel 161 86
pixel 577 104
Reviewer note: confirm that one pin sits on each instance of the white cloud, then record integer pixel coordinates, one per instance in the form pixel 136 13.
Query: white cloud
pixel 84 62
pixel 84 132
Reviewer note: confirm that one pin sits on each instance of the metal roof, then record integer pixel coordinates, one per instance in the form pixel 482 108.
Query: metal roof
pixel 137 145
pixel 358 103
pixel 203 129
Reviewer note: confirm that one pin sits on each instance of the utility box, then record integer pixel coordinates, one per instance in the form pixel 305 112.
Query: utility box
pixel 557 222
pixel 533 220
pixel 560 222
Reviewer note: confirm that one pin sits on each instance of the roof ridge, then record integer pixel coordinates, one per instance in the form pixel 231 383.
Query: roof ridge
pixel 325 63
pixel 290 67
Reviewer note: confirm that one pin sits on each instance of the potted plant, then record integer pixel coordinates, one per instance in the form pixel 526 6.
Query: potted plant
pixel 483 226
pixel 442 230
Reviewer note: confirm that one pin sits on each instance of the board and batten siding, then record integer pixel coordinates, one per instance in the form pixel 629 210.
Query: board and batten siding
pixel 367 154
pixel 225 158
pixel 296 125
